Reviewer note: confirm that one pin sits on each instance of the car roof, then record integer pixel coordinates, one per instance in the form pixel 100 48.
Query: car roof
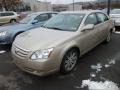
pixel 7 12
pixel 83 11
pixel 36 13
pixel 115 9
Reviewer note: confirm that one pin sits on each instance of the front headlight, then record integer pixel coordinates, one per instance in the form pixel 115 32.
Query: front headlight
pixel 42 54
pixel 3 33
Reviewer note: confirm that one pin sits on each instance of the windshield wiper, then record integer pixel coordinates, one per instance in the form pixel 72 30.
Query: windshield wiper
pixel 54 28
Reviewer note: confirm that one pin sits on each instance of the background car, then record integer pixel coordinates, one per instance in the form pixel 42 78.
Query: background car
pixel 115 15
pixel 58 44
pixel 23 14
pixel 8 17
pixel 9 32
pixel 104 10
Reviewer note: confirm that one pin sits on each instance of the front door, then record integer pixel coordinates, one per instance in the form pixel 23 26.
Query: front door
pixel 88 38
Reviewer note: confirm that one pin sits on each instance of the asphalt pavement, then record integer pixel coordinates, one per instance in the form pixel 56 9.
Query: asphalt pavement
pixel 105 56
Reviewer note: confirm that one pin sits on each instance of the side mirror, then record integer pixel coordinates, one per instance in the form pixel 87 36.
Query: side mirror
pixel 88 27
pixel 35 21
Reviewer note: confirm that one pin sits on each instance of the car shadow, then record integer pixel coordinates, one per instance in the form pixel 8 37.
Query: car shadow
pixel 6 48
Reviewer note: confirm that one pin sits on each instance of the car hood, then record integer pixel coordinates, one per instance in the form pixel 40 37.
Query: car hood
pixel 13 27
pixel 41 38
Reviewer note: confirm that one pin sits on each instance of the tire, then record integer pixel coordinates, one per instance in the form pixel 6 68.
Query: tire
pixel 12 21
pixel 69 61
pixel 108 39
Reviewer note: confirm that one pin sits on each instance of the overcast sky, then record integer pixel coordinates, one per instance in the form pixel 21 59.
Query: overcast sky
pixel 65 1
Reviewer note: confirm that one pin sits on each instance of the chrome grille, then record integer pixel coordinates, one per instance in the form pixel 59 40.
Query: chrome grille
pixel 21 52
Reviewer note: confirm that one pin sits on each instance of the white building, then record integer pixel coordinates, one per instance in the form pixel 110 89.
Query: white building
pixel 77 7
pixel 39 5
pixel 67 7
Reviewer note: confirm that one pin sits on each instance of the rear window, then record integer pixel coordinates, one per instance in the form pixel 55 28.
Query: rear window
pixel 6 14
pixel 101 17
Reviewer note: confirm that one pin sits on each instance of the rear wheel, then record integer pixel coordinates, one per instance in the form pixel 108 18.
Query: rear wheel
pixel 108 39
pixel 69 61
pixel 13 21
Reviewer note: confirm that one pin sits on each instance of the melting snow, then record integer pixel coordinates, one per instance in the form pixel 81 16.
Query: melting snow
pixel 2 51
pixel 97 67
pixel 107 65
pixel 92 74
pixel 106 85
pixel 117 32
pixel 92 85
pixel 112 62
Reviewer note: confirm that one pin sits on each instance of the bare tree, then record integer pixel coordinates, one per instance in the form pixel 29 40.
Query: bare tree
pixel 9 4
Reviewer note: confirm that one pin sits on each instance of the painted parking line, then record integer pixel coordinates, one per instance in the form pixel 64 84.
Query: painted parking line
pixel 2 51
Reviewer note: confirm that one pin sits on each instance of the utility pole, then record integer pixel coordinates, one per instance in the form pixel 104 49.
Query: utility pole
pixel 73 5
pixel 108 7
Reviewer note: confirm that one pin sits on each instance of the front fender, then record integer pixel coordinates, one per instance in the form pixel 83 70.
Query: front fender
pixel 63 50
pixel 14 34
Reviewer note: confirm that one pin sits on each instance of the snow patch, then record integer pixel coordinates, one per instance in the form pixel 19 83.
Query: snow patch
pixel 117 32
pixel 97 67
pixel 92 85
pixel 77 87
pixel 2 51
pixel 93 75
pixel 112 62
pixel 107 65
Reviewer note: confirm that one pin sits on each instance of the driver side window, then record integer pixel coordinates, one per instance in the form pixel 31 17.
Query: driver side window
pixel 91 19
pixel 42 18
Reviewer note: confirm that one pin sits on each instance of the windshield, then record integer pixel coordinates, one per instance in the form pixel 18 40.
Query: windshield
pixel 65 22
pixel 116 11
pixel 27 19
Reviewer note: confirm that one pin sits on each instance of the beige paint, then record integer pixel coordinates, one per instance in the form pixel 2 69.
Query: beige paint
pixel 61 41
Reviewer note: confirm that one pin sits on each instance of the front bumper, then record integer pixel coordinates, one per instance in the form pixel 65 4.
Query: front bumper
pixel 39 68
pixel 117 23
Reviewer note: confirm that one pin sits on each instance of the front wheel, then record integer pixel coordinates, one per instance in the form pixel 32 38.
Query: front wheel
pixel 69 61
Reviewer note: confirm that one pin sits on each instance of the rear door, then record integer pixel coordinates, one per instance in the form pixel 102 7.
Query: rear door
pixel 103 26
pixel 3 18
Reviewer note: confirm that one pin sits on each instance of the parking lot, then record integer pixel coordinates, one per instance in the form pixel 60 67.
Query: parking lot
pixel 100 64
